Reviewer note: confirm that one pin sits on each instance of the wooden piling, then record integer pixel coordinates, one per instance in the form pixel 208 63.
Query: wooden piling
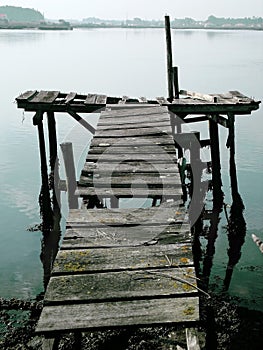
pixel 44 198
pixel 176 82
pixel 216 165
pixel 67 151
pixel 169 58
pixel 52 134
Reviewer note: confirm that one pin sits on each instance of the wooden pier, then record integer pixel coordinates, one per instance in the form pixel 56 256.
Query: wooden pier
pixel 125 267
pixel 120 267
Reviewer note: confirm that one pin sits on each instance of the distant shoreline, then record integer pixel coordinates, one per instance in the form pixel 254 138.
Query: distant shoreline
pixel 83 26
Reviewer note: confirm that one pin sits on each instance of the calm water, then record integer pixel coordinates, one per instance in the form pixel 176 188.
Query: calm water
pixel 122 62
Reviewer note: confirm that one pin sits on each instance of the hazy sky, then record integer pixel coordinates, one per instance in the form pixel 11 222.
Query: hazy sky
pixel 150 9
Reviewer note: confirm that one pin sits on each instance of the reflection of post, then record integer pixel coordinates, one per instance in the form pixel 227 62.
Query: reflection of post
pixel 67 151
pixel 236 222
pixel 210 249
pixel 44 197
pixel 50 245
pixel 216 166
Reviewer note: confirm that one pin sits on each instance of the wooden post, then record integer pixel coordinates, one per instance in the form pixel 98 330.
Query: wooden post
pixel 114 202
pixel 67 151
pixel 53 160
pixel 44 198
pixel 216 166
pixel 232 149
pixel 52 139
pixel 176 82
pixel 169 58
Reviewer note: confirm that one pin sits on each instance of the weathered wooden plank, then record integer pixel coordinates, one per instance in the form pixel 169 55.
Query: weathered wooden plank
pixel 101 99
pixel 130 285
pixel 130 167
pixel 107 236
pixel 134 119
pixel 135 132
pixel 142 99
pixel 91 99
pixel 26 96
pixel 133 112
pixel 133 192
pixel 197 95
pixel 45 97
pixel 142 124
pixel 162 100
pixel 137 180
pixel 105 147
pixel 118 314
pixel 81 261
pixel 70 97
pixel 159 157
pixel 167 213
pixel 133 141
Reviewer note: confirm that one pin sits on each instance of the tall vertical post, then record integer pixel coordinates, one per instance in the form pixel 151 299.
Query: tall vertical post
pixel 44 198
pixel 53 150
pixel 67 151
pixel 232 149
pixel 169 58
pixel 216 166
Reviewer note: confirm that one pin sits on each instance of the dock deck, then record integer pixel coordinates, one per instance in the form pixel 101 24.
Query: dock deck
pixel 125 267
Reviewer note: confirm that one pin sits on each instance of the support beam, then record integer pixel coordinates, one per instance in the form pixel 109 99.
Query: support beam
pixel 52 134
pixel 82 121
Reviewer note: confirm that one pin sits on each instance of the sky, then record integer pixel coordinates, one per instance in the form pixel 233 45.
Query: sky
pixel 147 9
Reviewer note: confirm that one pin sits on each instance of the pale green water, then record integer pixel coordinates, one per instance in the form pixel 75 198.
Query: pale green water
pixel 121 62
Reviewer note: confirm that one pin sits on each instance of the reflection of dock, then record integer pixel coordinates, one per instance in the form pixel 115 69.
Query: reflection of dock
pixel 131 267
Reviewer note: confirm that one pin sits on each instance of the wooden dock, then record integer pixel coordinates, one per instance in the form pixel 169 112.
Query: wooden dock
pixel 125 267
pixel 129 267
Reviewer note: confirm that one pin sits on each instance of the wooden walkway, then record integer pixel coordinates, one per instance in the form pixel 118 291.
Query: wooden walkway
pixel 125 267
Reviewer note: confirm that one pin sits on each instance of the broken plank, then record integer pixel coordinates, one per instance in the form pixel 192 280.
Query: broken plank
pixel 168 282
pixel 26 96
pixel 118 314
pixel 101 99
pixel 91 99
pixel 81 261
pixel 45 97
pixel 70 97
pixel 197 95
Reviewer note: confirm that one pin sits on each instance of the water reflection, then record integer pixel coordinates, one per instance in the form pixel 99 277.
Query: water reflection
pixel 51 230
pixel 236 228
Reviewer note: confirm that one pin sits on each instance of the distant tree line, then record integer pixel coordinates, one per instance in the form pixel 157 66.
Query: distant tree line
pixel 19 14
